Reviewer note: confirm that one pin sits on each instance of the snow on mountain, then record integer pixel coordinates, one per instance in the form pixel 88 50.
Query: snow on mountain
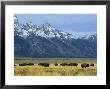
pixel 45 30
pixel 47 41
pixel 87 36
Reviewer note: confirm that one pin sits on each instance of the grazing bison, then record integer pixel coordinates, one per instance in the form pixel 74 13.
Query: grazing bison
pixel 30 64
pixel 73 64
pixel 91 64
pixel 24 64
pixel 84 65
pixel 15 65
pixel 64 64
pixel 56 64
pixel 44 64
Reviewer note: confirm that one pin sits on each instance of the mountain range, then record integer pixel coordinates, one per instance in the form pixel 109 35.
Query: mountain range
pixel 46 41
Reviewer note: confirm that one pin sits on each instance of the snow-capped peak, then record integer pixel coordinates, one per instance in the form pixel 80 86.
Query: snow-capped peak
pixel 46 25
pixel 45 30
pixel 15 18
pixel 88 36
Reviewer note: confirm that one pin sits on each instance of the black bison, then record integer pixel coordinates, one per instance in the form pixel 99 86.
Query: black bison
pixel 91 64
pixel 23 64
pixel 73 64
pixel 44 64
pixel 70 64
pixel 26 64
pixel 56 64
pixel 15 65
pixel 64 64
pixel 84 65
pixel 30 64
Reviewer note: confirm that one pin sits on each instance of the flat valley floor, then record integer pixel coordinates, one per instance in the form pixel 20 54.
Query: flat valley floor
pixel 52 70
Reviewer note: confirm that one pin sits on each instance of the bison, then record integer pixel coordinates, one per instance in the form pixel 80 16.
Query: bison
pixel 91 64
pixel 64 64
pixel 84 65
pixel 44 64
pixel 15 65
pixel 30 64
pixel 24 64
pixel 73 64
pixel 56 64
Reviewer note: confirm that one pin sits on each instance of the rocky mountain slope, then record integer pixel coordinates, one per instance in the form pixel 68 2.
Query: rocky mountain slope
pixel 31 40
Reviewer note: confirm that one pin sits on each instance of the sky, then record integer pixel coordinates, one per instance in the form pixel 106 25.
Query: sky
pixel 83 23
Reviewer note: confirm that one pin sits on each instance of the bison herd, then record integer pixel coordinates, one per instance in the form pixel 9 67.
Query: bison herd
pixel 44 64
pixel 83 65
pixel 70 64
pixel 26 64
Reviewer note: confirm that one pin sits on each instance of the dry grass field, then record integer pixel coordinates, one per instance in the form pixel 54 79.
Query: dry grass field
pixel 52 70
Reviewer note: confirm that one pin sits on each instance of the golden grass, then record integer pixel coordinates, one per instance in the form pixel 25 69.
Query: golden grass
pixel 53 70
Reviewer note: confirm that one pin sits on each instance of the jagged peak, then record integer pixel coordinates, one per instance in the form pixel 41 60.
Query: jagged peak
pixel 47 24
pixel 15 17
pixel 47 30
